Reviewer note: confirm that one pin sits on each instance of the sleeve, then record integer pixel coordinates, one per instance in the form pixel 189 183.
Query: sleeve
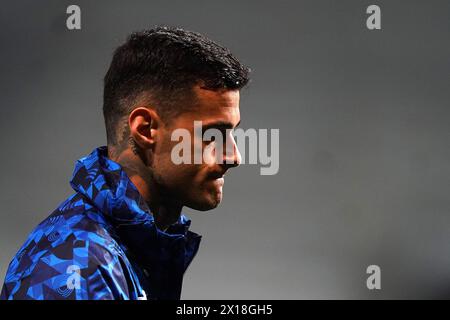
pixel 107 278
pixel 90 272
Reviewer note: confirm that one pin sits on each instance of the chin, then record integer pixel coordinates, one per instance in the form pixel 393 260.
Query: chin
pixel 206 205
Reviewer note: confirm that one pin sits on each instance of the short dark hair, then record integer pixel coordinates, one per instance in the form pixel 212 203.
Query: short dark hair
pixel 164 64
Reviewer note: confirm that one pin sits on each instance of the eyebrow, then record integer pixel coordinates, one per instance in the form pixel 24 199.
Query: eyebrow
pixel 220 125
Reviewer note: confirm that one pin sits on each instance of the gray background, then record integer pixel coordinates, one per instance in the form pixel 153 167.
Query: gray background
pixel 364 139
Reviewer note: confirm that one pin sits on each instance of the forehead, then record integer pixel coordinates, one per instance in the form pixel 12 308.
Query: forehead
pixel 215 98
pixel 215 105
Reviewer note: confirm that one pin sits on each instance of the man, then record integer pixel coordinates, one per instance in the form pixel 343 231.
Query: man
pixel 122 234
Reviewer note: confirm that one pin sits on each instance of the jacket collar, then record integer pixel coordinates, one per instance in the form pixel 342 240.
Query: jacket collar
pixel 167 254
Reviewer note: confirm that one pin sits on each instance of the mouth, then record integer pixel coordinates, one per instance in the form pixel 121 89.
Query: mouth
pixel 217 175
pixel 217 179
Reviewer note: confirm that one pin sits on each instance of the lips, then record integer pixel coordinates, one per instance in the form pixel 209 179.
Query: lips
pixel 216 185
pixel 217 178
pixel 217 175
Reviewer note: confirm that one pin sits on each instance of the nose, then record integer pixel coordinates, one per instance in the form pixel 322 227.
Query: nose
pixel 232 157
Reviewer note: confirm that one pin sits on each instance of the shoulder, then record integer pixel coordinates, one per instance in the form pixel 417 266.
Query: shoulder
pixel 71 254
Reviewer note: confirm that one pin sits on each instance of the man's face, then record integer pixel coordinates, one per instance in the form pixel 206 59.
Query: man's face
pixel 199 186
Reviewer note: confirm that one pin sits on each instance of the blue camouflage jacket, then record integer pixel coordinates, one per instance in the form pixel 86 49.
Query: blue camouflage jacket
pixel 101 243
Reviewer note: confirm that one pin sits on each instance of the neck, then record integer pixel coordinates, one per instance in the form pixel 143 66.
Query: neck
pixel 163 210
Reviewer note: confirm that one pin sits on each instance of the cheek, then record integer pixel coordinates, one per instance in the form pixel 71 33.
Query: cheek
pixel 210 152
pixel 189 177
pixel 176 176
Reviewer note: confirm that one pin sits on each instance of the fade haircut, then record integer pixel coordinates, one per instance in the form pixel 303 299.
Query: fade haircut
pixel 161 66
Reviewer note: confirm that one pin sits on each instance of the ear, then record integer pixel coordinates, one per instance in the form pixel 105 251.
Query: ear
pixel 144 123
